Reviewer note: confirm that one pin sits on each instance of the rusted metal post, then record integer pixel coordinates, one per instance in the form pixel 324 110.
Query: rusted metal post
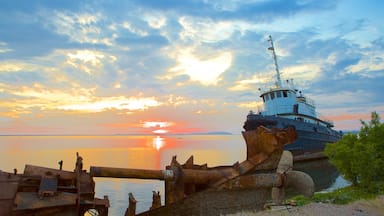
pixel 174 188
pixel 156 200
pixel 131 210
pixel 60 165
pixel 189 188
pixel 79 163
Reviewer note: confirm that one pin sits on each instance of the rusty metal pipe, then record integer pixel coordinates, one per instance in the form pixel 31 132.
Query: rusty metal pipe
pixel 131 173
pixel 188 175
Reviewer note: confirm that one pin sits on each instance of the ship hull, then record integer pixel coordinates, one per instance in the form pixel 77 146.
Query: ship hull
pixel 311 140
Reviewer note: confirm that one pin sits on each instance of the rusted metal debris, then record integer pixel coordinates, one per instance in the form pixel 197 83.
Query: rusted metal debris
pixel 45 191
pixel 189 188
pixel 201 190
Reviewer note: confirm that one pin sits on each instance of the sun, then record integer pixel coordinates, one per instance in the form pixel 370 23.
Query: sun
pixel 160 131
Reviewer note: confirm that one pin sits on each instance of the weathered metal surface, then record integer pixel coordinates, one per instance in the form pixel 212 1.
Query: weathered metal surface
pixel 285 165
pixel 29 201
pixel 300 182
pixel 261 144
pixel 262 180
pixel 48 186
pixel 211 202
pixel 130 173
pixel 263 141
pixel 31 170
pixel 8 189
pixel 46 191
pixel 189 175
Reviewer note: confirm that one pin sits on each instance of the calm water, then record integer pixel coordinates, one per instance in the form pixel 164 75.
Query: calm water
pixel 143 152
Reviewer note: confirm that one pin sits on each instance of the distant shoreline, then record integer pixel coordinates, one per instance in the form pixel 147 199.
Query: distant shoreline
pixel 128 134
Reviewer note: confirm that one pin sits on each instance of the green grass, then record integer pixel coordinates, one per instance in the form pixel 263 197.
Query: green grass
pixel 340 196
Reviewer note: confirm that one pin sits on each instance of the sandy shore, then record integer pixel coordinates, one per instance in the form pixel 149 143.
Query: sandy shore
pixel 373 207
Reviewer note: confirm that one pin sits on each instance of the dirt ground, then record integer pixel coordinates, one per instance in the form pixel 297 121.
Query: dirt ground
pixel 373 207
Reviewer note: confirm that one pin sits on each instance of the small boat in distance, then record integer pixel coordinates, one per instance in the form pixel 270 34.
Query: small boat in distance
pixel 285 106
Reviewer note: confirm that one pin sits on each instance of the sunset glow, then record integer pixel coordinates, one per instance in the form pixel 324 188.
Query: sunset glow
pixel 160 131
pixel 87 68
pixel 158 142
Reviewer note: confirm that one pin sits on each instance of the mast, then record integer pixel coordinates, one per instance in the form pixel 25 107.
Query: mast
pixel 272 48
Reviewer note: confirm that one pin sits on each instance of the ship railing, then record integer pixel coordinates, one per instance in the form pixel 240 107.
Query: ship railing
pixel 306 100
pixel 310 102
pixel 328 121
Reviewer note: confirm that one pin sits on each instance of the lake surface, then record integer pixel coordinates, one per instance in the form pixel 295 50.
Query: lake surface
pixel 140 152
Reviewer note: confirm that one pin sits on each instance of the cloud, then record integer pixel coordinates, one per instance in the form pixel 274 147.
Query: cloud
pixel 206 30
pixel 371 62
pixel 251 105
pixel 76 99
pixel 134 30
pixel 80 27
pixel 15 66
pixel 3 48
pixel 205 71
pixel 304 72
pixel 113 103
pixel 249 84
pixel 154 124
pixel 155 20
pixel 86 60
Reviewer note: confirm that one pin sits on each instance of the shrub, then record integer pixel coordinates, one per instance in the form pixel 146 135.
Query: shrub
pixel 360 157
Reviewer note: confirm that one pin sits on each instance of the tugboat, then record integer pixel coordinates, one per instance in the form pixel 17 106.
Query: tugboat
pixel 285 106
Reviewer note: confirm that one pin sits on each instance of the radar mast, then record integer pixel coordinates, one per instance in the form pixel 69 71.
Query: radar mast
pixel 272 48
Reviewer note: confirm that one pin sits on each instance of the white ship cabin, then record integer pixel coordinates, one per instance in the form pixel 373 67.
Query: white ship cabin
pixel 289 103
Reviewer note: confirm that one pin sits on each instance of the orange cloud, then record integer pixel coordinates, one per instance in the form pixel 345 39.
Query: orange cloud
pixel 346 117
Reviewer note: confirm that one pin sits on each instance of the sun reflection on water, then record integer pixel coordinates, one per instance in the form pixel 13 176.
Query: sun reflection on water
pixel 158 142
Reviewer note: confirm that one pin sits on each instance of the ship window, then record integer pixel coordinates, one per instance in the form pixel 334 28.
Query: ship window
pixel 278 94
pixel 266 97
pixel 272 95
pixel 285 93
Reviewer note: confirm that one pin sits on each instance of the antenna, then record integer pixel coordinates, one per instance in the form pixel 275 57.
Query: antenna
pixel 272 48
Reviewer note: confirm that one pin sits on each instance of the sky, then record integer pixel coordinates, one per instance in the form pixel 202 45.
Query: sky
pixel 123 67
